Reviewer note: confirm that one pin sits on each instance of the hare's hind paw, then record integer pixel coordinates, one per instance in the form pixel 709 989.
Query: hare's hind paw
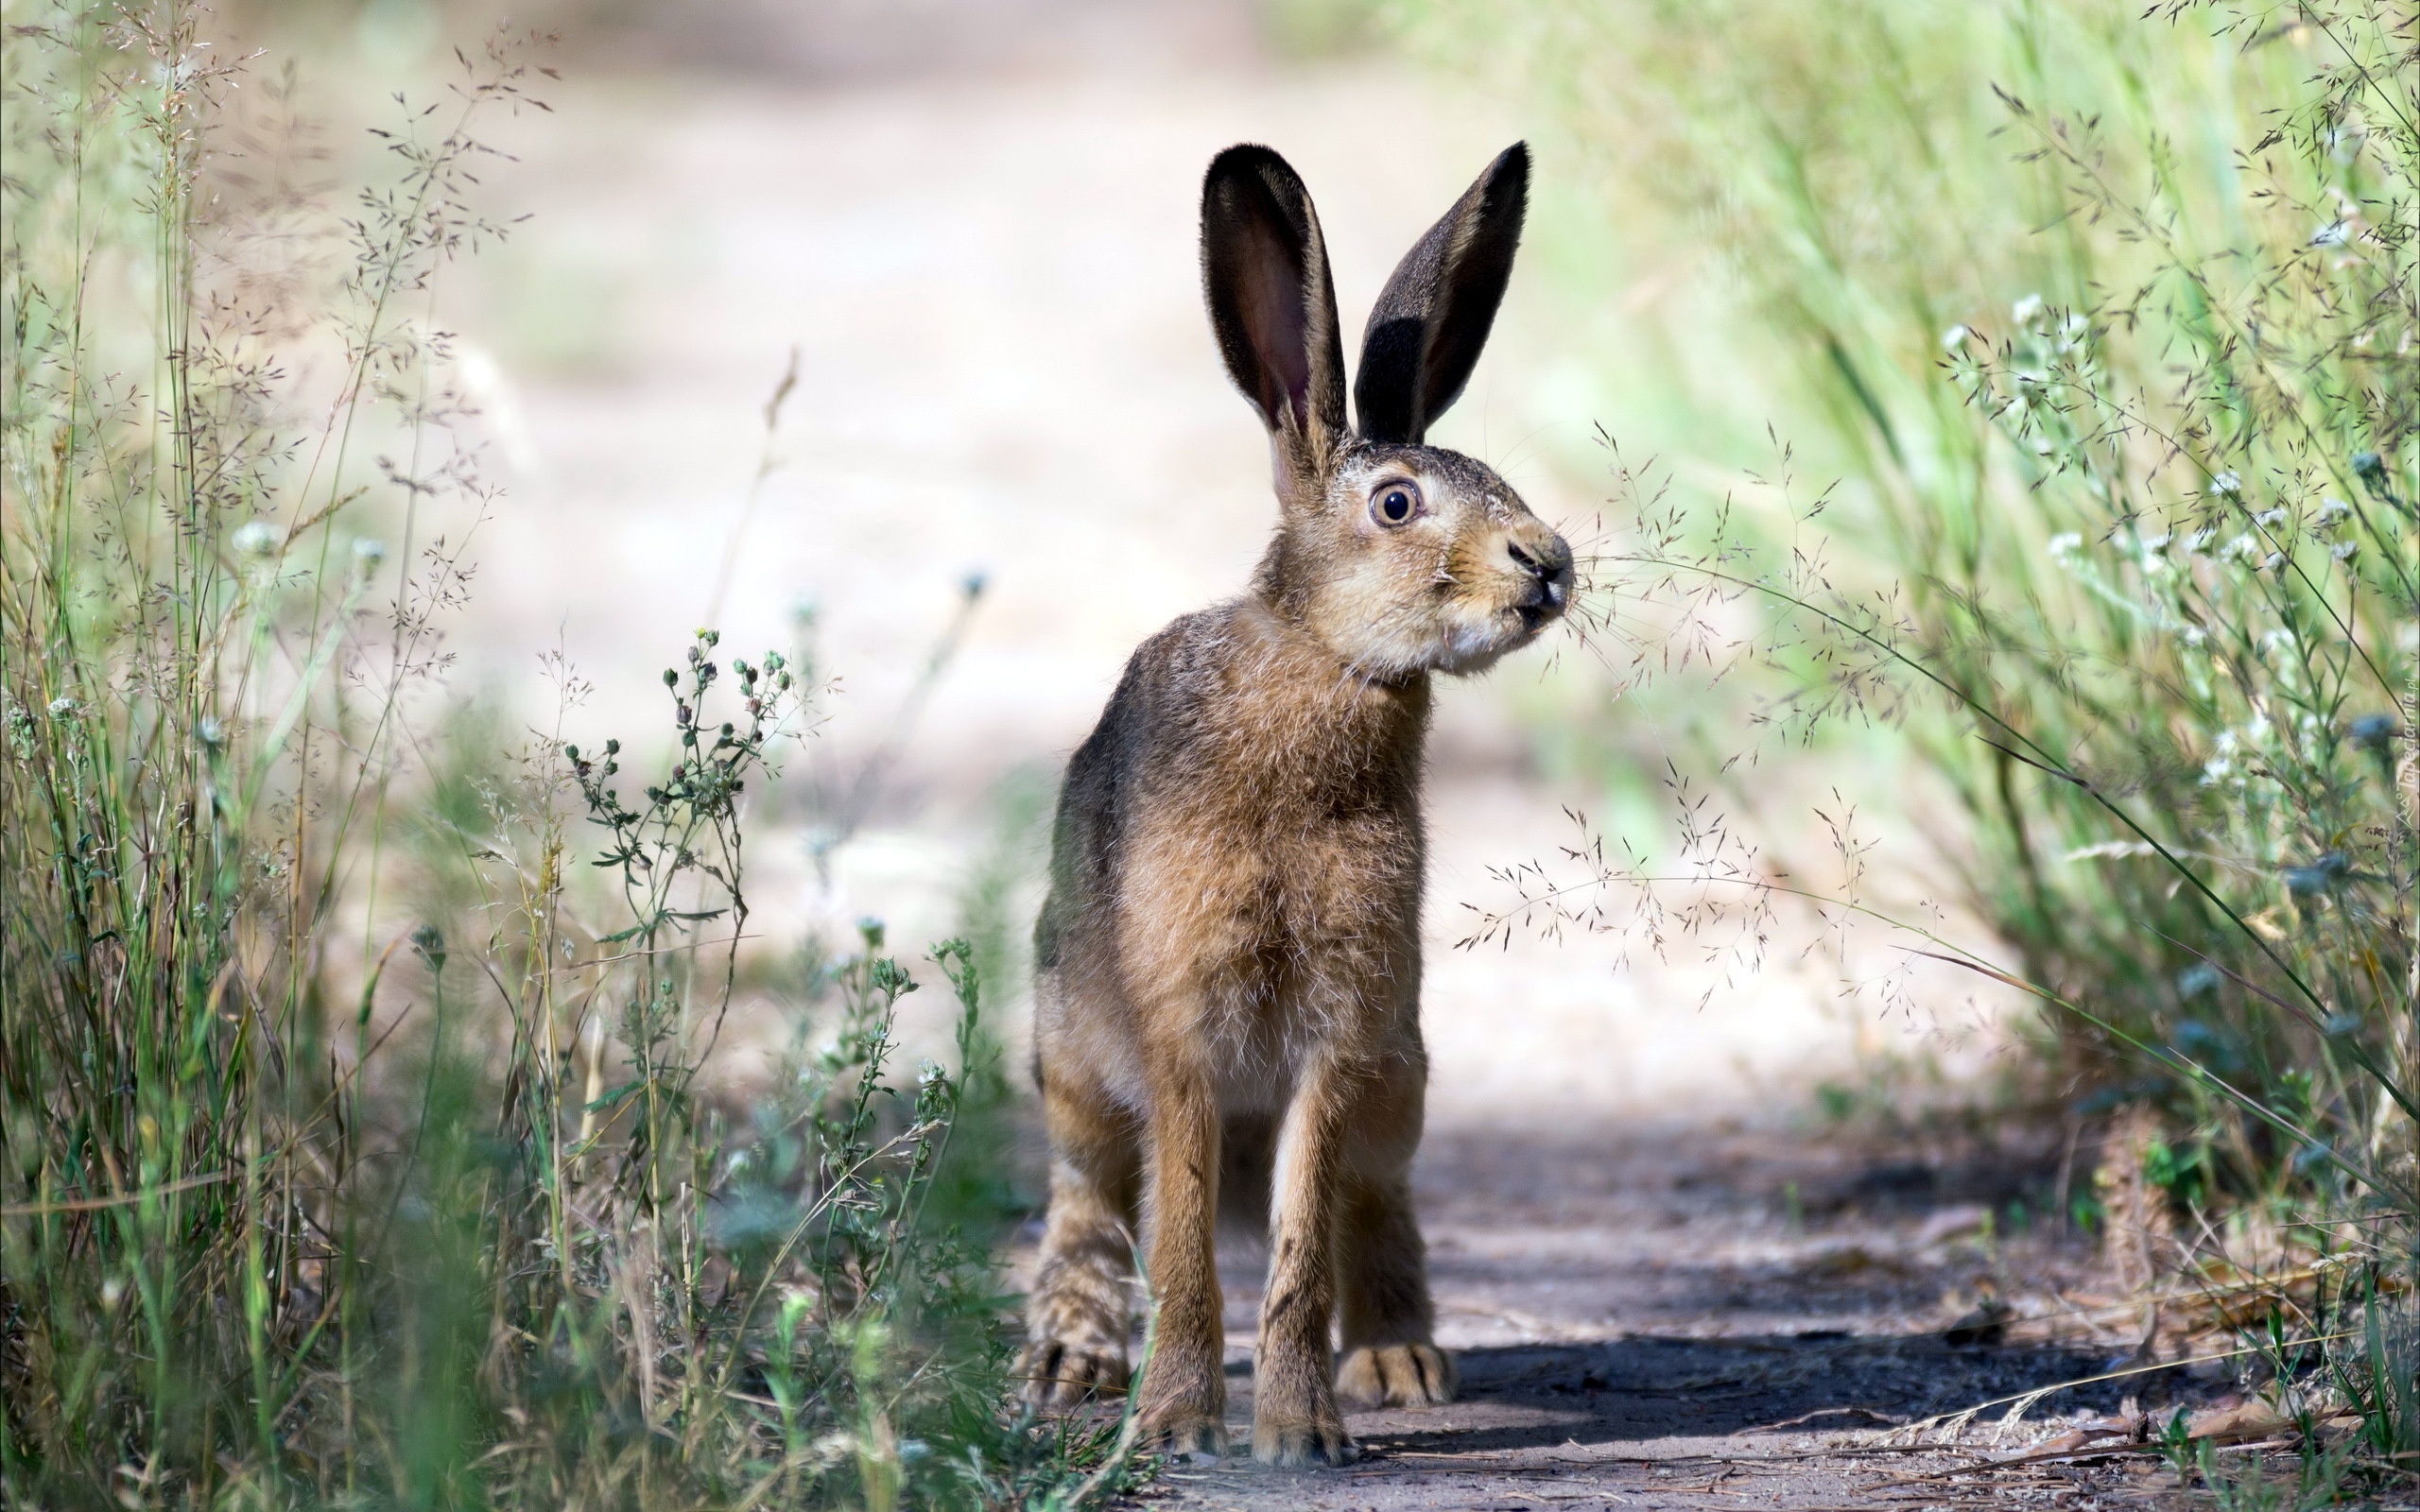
pixel 1396 1375
pixel 1060 1374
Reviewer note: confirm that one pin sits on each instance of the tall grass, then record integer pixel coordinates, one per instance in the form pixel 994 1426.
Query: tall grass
pixel 2109 325
pixel 360 1144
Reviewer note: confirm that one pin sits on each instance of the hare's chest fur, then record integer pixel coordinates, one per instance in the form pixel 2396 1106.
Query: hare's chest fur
pixel 1246 824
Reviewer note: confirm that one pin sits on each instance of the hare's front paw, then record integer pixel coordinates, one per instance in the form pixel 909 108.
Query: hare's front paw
pixel 1187 1434
pixel 1058 1374
pixel 1396 1375
pixel 1299 1442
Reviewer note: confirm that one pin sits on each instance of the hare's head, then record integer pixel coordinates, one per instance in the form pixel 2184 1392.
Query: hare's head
pixel 1401 557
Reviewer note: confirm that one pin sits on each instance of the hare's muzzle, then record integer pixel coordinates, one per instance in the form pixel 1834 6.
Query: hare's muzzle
pixel 1547 561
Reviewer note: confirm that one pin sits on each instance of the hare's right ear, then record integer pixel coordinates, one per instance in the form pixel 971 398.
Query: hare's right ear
pixel 1428 328
pixel 1272 305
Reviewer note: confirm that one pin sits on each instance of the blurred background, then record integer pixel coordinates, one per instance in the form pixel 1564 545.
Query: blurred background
pixel 966 230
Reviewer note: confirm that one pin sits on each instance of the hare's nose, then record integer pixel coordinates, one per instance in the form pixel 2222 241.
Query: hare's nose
pixel 1550 563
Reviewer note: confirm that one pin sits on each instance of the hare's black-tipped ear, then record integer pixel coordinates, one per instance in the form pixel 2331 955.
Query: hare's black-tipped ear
pixel 1425 333
pixel 1272 304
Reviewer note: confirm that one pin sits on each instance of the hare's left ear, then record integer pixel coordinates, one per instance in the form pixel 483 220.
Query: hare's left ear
pixel 1425 335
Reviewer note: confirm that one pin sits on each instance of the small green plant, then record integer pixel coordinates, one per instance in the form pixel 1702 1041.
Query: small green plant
pixel 2380 1375
pixel 2319 1480
pixel 2178 1446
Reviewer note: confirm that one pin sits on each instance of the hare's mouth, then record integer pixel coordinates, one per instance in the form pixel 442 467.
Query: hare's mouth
pixel 1535 614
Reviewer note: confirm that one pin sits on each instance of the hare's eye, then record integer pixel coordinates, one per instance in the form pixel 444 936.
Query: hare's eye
pixel 1395 503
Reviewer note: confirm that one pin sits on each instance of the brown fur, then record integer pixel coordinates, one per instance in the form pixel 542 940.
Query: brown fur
pixel 1232 942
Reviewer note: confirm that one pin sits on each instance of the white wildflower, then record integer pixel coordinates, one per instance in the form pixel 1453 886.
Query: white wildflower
pixel 2158 542
pixel 1954 339
pixel 62 708
pixel 2067 546
pixel 2335 234
pixel 2270 518
pixel 2200 540
pixel 253 538
pixel 2243 546
pixel 2026 310
pixel 2229 482
pixel 2332 513
pixel 2344 550
pixel 2270 562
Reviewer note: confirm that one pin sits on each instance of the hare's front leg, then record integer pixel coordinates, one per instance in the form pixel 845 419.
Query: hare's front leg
pixel 1295 1420
pixel 1184 1382
pixel 1076 1318
pixel 1390 1359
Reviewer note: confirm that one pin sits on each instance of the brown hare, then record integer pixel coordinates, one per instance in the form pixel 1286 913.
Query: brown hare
pixel 1227 967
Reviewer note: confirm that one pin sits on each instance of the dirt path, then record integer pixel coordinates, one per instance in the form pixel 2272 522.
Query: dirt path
pixel 1684 1317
